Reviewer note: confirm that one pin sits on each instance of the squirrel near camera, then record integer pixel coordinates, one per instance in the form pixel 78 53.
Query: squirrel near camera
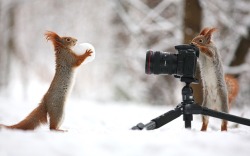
pixel 219 90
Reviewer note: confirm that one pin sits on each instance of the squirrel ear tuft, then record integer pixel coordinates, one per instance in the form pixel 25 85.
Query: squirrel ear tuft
pixel 53 37
pixel 211 30
pixel 50 35
pixel 204 31
pixel 208 35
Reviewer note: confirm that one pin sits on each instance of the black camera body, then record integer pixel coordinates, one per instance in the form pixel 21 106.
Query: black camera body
pixel 181 65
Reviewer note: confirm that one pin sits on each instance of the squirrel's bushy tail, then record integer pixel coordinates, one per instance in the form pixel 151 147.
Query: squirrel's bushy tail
pixel 232 87
pixel 34 119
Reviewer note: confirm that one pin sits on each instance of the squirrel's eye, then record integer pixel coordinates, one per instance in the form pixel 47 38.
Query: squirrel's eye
pixel 200 40
pixel 68 39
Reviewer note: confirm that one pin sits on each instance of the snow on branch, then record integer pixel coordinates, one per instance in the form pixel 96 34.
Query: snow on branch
pixel 153 14
pixel 150 14
pixel 126 19
pixel 237 69
pixel 231 54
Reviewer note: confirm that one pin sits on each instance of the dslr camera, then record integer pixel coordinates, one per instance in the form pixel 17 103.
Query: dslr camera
pixel 181 65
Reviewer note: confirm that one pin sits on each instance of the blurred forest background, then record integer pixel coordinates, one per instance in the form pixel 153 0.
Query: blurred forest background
pixel 121 31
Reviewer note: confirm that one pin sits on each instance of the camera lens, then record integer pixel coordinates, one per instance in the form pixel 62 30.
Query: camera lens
pixel 160 63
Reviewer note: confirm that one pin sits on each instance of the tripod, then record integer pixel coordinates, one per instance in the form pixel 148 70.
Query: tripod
pixel 187 108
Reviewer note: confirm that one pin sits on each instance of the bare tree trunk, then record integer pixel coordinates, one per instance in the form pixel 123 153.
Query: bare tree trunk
pixel 192 26
pixel 242 50
pixel 192 19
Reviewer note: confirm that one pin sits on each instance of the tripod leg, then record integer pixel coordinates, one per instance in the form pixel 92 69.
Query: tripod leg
pixel 164 119
pixel 225 116
pixel 160 121
pixel 187 118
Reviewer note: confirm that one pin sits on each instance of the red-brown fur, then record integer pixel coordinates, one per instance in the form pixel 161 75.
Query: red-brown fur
pixel 50 105
pixel 232 83
pixel 232 87
pixel 204 43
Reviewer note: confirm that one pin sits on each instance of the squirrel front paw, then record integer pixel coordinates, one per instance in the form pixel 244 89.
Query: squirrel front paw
pixel 88 52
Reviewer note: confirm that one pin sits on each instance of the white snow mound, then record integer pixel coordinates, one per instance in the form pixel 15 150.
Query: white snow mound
pixel 81 48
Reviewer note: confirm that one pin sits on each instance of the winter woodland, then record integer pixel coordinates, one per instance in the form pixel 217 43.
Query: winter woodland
pixel 121 32
pixel 113 93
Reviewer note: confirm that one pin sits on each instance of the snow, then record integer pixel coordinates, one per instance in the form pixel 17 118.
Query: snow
pixel 81 48
pixel 103 128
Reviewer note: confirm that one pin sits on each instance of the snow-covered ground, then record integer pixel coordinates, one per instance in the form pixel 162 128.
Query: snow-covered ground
pixel 103 129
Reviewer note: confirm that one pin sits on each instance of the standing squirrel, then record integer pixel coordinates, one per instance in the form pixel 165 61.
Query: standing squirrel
pixel 55 98
pixel 219 90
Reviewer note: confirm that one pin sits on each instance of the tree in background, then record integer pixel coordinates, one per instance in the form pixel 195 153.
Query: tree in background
pixel 157 24
pixel 192 25
pixel 121 31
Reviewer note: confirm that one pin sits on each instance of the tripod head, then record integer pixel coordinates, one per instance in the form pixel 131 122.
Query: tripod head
pixel 188 80
pixel 187 91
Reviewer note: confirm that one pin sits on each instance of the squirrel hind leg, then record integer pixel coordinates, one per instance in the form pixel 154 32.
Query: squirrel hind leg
pixel 224 125
pixel 54 126
pixel 55 123
pixel 204 123
pixel 57 129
